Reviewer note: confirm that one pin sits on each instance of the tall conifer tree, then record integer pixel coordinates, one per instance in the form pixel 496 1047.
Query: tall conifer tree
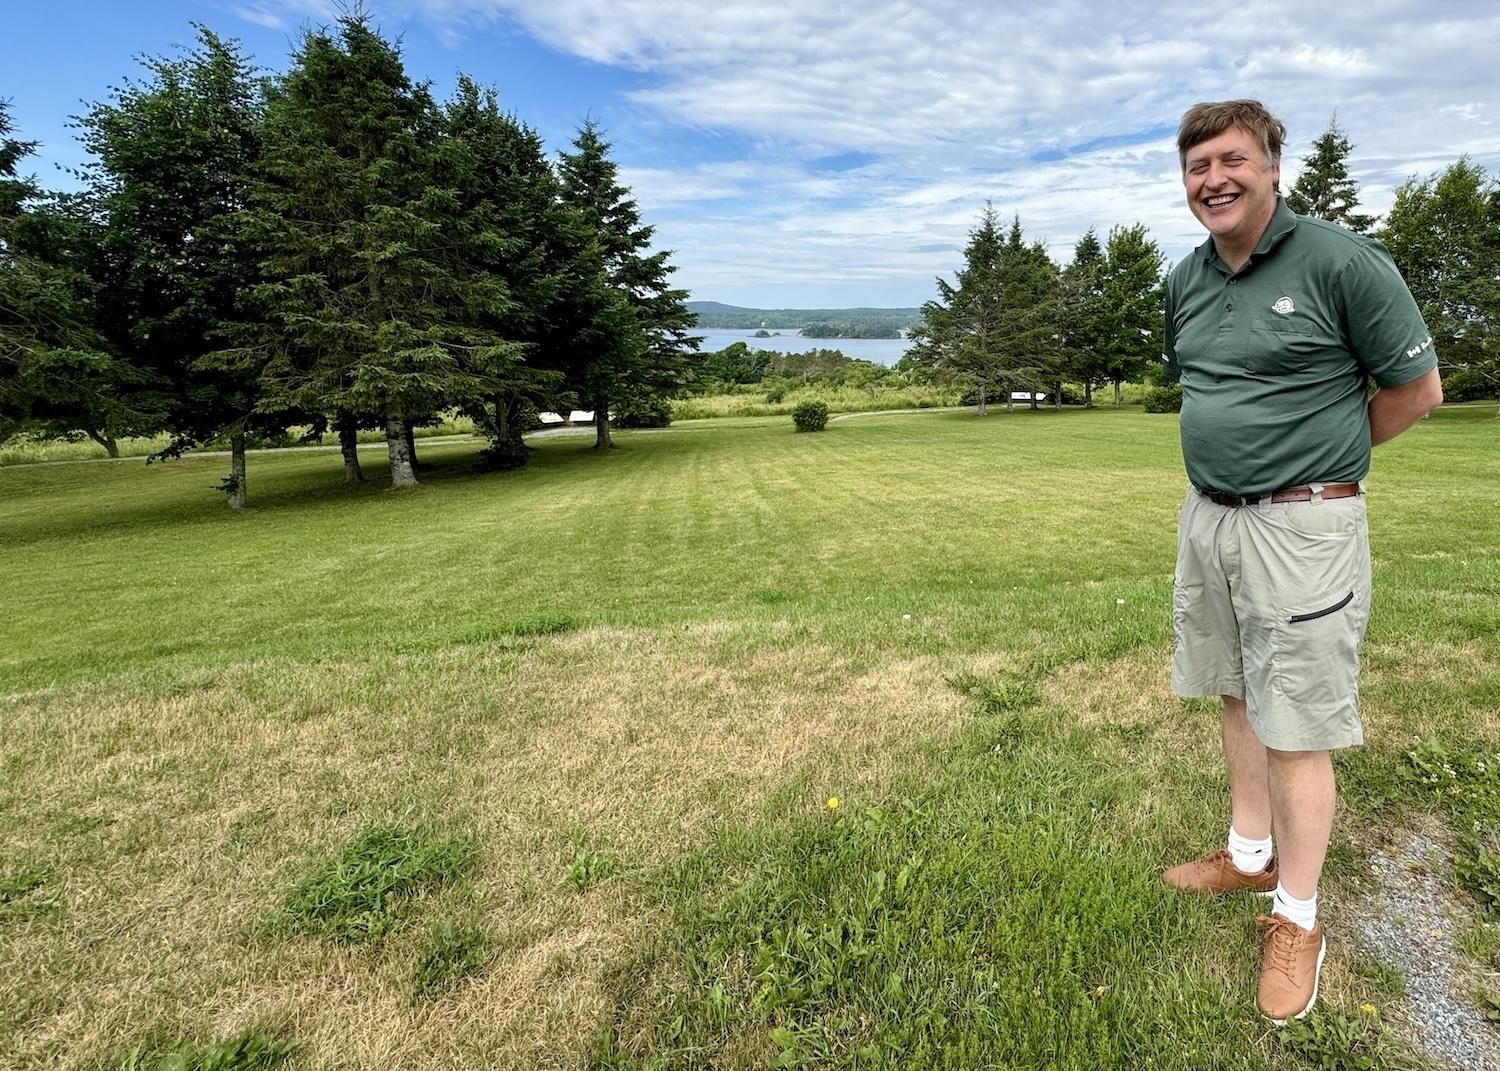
pixel 994 327
pixel 371 306
pixel 174 154
pixel 509 192
pixel 1134 299
pixel 58 376
pixel 1084 315
pixel 637 343
pixel 1324 188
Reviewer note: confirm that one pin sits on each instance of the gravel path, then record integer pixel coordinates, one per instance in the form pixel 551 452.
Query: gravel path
pixel 1405 925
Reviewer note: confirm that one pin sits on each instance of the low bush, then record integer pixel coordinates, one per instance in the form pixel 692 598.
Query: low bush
pixel 1166 399
pixel 654 412
pixel 810 416
pixel 1468 385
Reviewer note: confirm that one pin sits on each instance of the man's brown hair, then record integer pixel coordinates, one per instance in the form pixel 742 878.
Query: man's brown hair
pixel 1209 119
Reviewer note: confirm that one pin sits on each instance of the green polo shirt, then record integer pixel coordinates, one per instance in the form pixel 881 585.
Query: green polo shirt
pixel 1274 358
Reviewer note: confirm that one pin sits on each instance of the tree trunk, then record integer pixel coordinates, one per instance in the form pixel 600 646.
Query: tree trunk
pixel 984 399
pixel 1057 398
pixel 349 446
pixel 1010 402
pixel 1088 394
pixel 411 448
pixel 1118 402
pixel 502 419
pixel 602 441
pixel 1035 408
pixel 237 470
pixel 111 447
pixel 395 442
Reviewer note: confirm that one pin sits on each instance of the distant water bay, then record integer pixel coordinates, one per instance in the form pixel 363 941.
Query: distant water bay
pixel 886 351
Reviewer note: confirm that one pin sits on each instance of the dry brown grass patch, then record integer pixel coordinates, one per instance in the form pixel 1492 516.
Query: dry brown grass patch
pixel 222 787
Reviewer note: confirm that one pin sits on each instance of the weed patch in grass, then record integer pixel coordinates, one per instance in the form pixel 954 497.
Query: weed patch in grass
pixel 1334 1039
pixel 1462 778
pixel 357 896
pixel 26 893
pixel 998 696
pixel 451 952
pixel 976 920
pixel 252 1050
pixel 589 867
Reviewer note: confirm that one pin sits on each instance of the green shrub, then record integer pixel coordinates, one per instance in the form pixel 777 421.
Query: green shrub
pixel 1465 384
pixel 355 897
pixel 504 456
pixel 810 416
pixel 653 412
pixel 1166 399
pixel 775 394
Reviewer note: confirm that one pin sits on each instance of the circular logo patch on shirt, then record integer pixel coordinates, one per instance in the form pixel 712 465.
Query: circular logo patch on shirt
pixel 1283 305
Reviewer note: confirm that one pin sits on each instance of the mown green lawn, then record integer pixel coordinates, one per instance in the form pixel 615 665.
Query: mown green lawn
pixel 580 725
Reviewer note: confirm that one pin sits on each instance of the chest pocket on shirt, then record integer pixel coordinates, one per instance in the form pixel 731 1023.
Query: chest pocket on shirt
pixel 1280 344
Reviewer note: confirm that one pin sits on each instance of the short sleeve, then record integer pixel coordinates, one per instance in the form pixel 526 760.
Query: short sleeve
pixel 1386 331
pixel 1171 371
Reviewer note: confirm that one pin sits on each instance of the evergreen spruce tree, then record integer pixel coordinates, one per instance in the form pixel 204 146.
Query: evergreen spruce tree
pixel 59 377
pixel 994 327
pixel 636 343
pixel 510 193
pixel 174 156
pixel 1084 315
pixel 1324 188
pixel 1134 300
pixel 370 307
pixel 1031 285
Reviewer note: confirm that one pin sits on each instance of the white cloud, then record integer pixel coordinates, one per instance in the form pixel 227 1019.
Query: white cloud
pixel 260 16
pixel 956 102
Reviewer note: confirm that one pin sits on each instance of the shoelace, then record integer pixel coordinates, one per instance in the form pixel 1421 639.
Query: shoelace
pixel 1285 939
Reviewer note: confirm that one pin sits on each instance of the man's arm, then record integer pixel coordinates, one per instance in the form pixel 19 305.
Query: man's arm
pixel 1394 409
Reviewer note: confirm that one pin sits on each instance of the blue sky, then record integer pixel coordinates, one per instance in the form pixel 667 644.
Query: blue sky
pixel 835 153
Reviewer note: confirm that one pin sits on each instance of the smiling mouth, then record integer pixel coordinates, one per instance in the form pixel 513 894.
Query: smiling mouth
pixel 1221 200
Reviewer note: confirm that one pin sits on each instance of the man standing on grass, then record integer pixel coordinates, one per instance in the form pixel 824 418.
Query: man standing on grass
pixel 1274 327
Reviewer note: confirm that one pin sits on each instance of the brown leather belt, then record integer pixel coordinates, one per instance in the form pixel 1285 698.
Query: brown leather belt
pixel 1303 493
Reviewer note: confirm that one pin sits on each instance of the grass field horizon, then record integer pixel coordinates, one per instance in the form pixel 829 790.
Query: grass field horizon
pixel 598 710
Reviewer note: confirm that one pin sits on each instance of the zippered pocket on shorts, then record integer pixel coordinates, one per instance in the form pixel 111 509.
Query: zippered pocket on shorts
pixel 1335 608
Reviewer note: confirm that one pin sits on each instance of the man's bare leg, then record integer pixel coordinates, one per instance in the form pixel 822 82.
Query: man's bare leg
pixel 1302 795
pixel 1249 788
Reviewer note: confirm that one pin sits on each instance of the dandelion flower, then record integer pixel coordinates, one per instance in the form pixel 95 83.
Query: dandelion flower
pixel 1368 1009
pixel 833 803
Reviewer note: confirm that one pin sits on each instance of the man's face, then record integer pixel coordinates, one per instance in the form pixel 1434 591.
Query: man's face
pixel 1229 187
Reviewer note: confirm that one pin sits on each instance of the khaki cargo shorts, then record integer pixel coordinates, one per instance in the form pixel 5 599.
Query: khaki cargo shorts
pixel 1269 605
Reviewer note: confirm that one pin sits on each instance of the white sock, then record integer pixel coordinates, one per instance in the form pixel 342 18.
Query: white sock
pixel 1303 912
pixel 1250 856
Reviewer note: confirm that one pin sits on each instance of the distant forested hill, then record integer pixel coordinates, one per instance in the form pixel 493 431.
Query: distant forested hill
pixel 815 323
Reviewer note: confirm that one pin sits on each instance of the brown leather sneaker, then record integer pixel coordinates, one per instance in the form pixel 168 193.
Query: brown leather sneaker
pixel 1216 874
pixel 1289 968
